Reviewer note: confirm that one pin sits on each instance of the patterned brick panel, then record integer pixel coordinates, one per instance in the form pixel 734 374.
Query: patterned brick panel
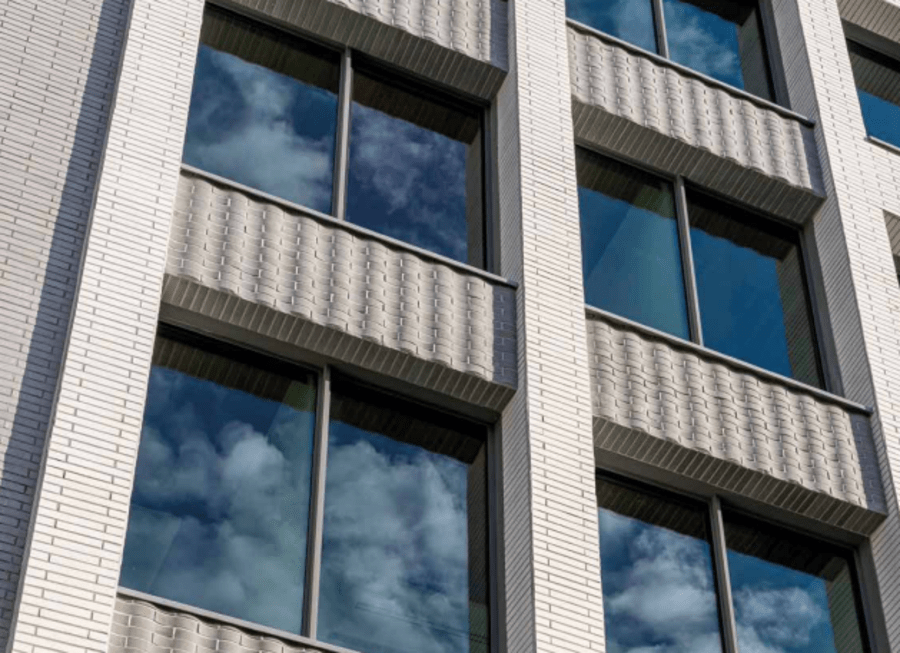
pixel 691 413
pixel 70 574
pixel 54 110
pixel 143 627
pixel 371 292
pixel 640 107
pixel 459 43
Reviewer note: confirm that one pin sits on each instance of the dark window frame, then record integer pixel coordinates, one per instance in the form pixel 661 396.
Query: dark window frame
pixel 771 51
pixel 352 60
pixel 715 527
pixel 766 222
pixel 324 373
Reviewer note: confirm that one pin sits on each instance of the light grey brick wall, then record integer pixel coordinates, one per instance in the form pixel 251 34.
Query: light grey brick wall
pixel 643 109
pixel 857 266
pixel 458 43
pixel 552 570
pixel 690 412
pixel 71 572
pixel 55 96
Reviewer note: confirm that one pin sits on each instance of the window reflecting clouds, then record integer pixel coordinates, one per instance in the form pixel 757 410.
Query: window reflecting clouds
pixel 629 240
pixel 415 170
pixel 264 110
pixel 657 574
pixel 404 567
pixel 878 84
pixel 790 595
pixel 221 496
pixel 751 289
pixel 629 20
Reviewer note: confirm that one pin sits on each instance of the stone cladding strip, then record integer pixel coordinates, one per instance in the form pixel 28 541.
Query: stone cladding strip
pixel 697 416
pixel 144 627
pixel 635 106
pixel 458 43
pixel 329 275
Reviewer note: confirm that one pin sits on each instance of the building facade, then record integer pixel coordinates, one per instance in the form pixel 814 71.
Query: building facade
pixel 450 326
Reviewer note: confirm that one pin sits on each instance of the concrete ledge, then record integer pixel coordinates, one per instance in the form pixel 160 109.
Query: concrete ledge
pixel 642 108
pixel 677 410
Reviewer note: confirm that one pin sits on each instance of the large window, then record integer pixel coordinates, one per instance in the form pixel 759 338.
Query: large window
pixel 719 38
pixel 313 126
pixel 641 250
pixel 247 505
pixel 878 85
pixel 669 564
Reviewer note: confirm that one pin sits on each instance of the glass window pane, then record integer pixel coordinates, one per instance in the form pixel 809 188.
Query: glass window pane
pixel 415 170
pixel 878 84
pixel 629 244
pixel 629 20
pixel 657 573
pixel 791 595
pixel 264 110
pixel 404 557
pixel 221 495
pixel 719 39
pixel 751 289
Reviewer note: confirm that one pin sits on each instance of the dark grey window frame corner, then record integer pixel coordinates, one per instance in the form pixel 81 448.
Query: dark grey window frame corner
pixel 350 62
pixel 323 375
pixel 769 26
pixel 718 509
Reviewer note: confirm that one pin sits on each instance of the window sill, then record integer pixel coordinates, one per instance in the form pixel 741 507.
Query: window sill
pixel 349 226
pixel 690 72
pixel 225 620
pixel 736 364
pixel 890 147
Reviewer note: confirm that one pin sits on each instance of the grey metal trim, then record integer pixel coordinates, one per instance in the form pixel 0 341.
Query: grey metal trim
pixel 687 262
pixel 870 597
pixel 723 578
pixel 773 53
pixel 890 147
pixel 349 226
pixel 224 619
pixel 496 579
pixel 739 365
pixel 733 90
pixel 864 37
pixel 317 506
pixel 659 28
pixel 342 141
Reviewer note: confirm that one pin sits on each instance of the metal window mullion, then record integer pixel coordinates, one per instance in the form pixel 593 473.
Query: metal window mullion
pixel 687 261
pixel 342 141
pixel 723 580
pixel 659 21
pixel 317 504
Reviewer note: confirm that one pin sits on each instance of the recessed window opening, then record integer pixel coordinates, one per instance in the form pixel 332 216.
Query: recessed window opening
pixel 878 86
pixel 691 265
pixel 306 502
pixel 721 39
pixel 308 124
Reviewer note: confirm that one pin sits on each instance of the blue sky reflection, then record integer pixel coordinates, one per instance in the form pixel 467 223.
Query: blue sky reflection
pixel 629 20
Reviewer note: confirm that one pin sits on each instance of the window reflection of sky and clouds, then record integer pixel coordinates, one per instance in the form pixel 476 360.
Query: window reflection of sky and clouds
pixel 629 20
pixel 396 567
pixel 221 497
pixel 878 85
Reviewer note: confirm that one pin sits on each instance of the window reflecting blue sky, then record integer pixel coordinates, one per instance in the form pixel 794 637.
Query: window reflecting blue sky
pixel 221 498
pixel 882 117
pixel 878 84
pixel 658 589
pixel 263 129
pixel 629 239
pixel 629 20
pixel 395 558
pixel 414 174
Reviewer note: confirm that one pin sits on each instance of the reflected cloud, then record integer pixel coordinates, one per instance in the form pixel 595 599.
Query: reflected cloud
pixel 395 556
pixel 629 20
pixel 702 41
pixel 408 182
pixel 243 126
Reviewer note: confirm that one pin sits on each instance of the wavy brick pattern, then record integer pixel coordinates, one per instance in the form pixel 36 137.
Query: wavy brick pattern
pixel 460 43
pixel 142 627
pixel 636 106
pixel 326 274
pixel 694 414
